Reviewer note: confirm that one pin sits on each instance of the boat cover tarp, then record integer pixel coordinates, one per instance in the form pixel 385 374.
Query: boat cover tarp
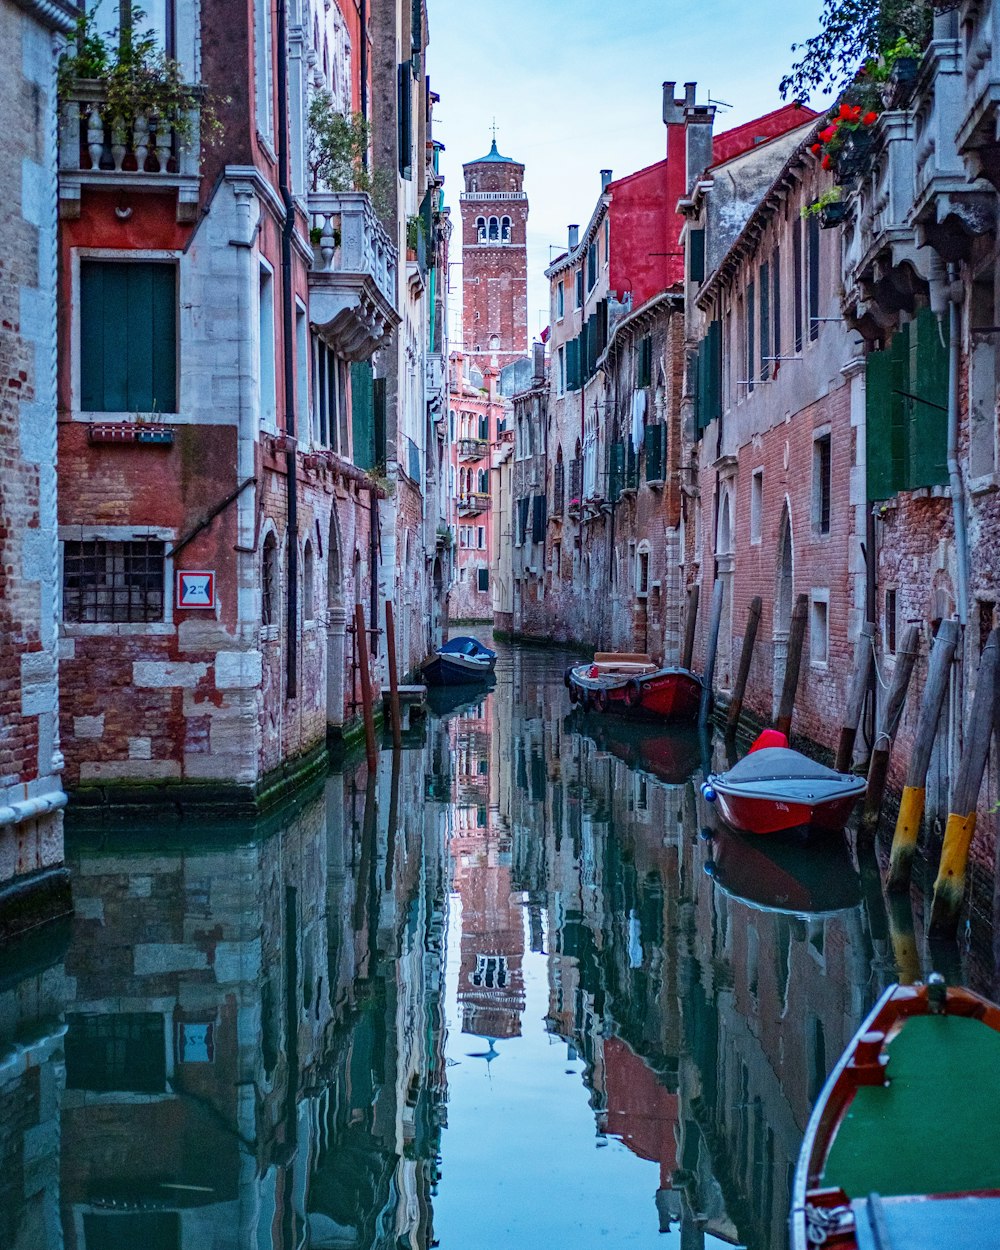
pixel 921 1224
pixel 465 646
pixel 769 763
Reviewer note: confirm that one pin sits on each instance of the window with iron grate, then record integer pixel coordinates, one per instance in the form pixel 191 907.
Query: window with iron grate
pixel 113 581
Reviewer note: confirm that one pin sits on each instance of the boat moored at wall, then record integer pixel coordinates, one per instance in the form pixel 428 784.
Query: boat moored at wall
pixel 631 683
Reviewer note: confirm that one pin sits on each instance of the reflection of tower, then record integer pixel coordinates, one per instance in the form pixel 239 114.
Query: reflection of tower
pixel 491 985
pixel 494 260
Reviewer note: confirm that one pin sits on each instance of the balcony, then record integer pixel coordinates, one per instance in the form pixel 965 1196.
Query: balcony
pixel 150 155
pixel 472 448
pixel 978 134
pixel 352 282
pixel 474 503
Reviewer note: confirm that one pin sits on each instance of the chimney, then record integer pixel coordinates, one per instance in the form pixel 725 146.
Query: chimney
pixel 698 122
pixel 672 114
pixel 605 179
pixel 689 89
pixel 574 237
pixel 538 362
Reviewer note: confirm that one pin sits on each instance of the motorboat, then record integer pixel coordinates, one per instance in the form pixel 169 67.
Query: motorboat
pixel 901 1148
pixel 459 662
pixel 631 683
pixel 774 789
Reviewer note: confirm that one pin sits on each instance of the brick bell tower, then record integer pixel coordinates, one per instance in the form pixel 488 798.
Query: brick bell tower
pixel 494 260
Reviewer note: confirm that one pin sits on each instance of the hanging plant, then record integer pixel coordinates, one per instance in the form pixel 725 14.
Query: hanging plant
pixel 846 137
pixel 338 153
pixel 137 80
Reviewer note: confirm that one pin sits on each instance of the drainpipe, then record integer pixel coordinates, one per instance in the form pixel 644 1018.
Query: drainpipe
pixel 288 362
pixel 954 472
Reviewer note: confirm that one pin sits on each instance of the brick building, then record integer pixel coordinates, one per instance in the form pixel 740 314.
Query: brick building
pixel 222 307
pixel 33 883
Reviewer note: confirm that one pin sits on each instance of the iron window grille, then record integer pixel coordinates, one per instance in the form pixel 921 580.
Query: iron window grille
pixel 113 581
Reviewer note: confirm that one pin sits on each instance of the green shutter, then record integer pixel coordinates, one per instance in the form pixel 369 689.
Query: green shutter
pixel 644 367
pixel 899 406
pixel 696 255
pixel 584 352
pixel 592 351
pixel 695 366
pixel 363 414
pixel 378 404
pixel 712 397
pixel 765 321
pixel 654 452
pixel 573 365
pixel 928 441
pixel 404 118
pixel 616 471
pixel 128 337
pixel 880 466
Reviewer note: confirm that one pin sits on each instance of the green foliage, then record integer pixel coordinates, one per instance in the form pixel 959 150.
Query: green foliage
pixel 338 152
pixel 137 78
pixel 853 32
pixel 832 195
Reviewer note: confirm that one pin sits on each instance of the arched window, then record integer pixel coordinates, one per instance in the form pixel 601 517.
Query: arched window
pixel 269 581
pixel 494 230
pixel 308 612
pixel 484 481
pixel 481 229
pixel 505 230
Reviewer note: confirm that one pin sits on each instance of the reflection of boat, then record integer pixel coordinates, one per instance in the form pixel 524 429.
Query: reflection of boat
pixel 630 682
pixel 783 876
pixel 460 661
pixel 775 788
pixel 451 700
pixel 901 1148
pixel 671 755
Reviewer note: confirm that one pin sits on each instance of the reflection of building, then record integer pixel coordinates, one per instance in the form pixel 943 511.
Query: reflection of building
pixel 491 986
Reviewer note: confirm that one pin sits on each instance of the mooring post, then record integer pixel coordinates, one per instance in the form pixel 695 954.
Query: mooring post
pixel 864 657
pixel 949 888
pixel 392 828
pixel 371 750
pixel 743 673
pixel 708 677
pixel 390 643
pixel 911 803
pixel 904 940
pixel 793 662
pixel 690 622
pixel 878 767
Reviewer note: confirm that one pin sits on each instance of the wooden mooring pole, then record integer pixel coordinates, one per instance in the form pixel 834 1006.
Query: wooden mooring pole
pixel 361 638
pixel 743 674
pixel 949 888
pixel 390 643
pixel 690 622
pixel 878 767
pixel 864 658
pixel 793 662
pixel 911 803
pixel 708 677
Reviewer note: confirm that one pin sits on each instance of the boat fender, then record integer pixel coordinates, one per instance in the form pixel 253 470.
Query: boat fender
pixel 710 869
pixel 601 700
pixel 567 674
pixel 633 693
pixel 708 792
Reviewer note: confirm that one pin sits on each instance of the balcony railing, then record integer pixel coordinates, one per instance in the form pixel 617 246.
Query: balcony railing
pixel 472 448
pixel 473 503
pixel 353 281
pixel 151 154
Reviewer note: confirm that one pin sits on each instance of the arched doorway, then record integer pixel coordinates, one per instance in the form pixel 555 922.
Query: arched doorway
pixel 724 562
pixel 439 607
pixel 336 622
pixel 783 597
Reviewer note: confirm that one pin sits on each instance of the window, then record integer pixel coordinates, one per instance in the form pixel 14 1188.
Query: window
pixel 756 504
pixel 556 555
pixel 642 573
pixel 480 537
pixel 579 287
pixel 483 482
pixel 480 229
pixel 113 581
pixel 124 1052
pixel 561 372
pixel 560 300
pixel 644 362
pixel 263 69
pixel 128 337
pixel 821 484
pixel 330 402
pixel 797 281
pixel 491 972
pixel 269 581
pixel 505 230
pixel 404 118
pixel 494 230
pixel 751 337
pixel 812 262
pixel 889 623
pixel 819 627
pixel 302 367
pixel 483 576
pixel 158 16
pixel 765 322
pixel 308 574
pixel 592 266
pixel 265 357
pixel 776 303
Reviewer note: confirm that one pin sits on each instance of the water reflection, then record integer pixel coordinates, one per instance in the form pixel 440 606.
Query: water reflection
pixel 505 993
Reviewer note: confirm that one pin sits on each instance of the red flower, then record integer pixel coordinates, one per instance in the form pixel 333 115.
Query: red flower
pixel 869 119
pixel 825 162
pixel 849 112
pixel 816 148
pixel 826 135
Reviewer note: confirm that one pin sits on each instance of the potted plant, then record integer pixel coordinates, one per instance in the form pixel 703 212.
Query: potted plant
pixel 830 207
pixel 844 144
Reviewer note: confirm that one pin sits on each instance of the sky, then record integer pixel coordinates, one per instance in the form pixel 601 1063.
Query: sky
pixel 577 87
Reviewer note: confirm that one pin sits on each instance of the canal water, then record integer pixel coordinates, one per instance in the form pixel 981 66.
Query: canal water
pixel 515 991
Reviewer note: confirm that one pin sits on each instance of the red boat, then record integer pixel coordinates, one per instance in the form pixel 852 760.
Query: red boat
pixel 773 789
pixel 631 683
pixel 901 1148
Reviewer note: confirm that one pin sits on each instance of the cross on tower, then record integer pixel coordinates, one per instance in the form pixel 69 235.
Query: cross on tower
pixel 494 128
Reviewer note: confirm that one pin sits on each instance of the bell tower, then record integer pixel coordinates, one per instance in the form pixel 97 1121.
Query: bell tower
pixel 494 260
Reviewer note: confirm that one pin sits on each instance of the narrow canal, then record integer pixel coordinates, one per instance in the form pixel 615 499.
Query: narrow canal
pixel 506 994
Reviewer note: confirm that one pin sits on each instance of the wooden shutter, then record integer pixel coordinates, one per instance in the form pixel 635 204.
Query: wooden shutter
pixel 696 255
pixel 899 406
pixel 695 386
pixel 797 228
pixel 404 118
pixel 584 352
pixel 712 351
pixel 880 466
pixel 751 336
pixel 812 237
pixel 573 365
pixel 654 451
pixel 644 366
pixel 128 337
pixel 765 320
pixel 928 433
pixel 363 414
pixel 602 326
pixel 776 302
pixel 537 518
pixel 378 405
pixel 616 471
pixel 522 518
